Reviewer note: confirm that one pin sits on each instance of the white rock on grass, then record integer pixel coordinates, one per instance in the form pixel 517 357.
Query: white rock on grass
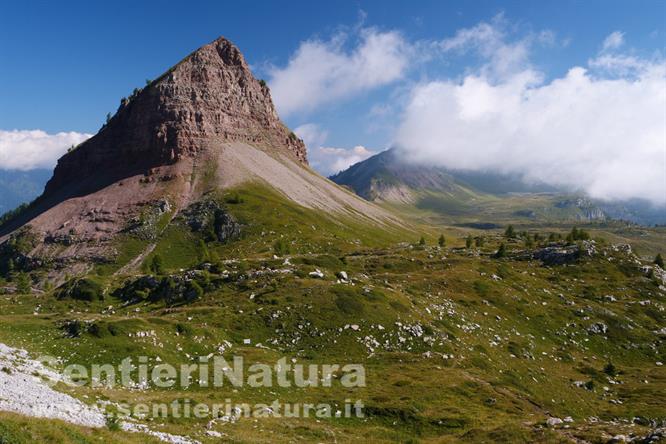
pixel 162 436
pixel 343 276
pixel 552 422
pixel 316 274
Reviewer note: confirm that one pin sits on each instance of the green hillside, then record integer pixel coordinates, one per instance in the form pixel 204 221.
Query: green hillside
pixel 458 345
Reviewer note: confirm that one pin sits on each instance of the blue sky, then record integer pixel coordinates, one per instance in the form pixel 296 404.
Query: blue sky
pixel 64 65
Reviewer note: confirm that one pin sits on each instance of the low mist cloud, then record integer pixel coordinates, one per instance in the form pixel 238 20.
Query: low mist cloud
pixel 31 149
pixel 599 129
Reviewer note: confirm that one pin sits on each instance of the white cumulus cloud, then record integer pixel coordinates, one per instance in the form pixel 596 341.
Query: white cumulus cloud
pixel 322 72
pixel 31 149
pixel 489 40
pixel 599 129
pixel 613 41
pixel 329 160
pixel 334 160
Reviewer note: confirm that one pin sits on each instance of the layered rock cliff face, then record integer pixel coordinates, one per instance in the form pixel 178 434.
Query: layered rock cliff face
pixel 205 125
pixel 209 97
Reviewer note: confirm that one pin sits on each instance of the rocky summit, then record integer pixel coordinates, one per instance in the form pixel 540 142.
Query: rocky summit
pixel 210 96
pixel 205 125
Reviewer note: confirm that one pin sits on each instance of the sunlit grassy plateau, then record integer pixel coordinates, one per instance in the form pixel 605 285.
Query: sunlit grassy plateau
pixel 459 345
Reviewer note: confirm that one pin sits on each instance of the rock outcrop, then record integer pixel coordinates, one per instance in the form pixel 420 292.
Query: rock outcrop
pixel 211 95
pixel 204 125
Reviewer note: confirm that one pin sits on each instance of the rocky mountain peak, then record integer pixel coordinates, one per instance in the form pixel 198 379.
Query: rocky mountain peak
pixel 209 97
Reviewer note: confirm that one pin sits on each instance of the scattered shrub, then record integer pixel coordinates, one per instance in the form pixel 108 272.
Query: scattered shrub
pixel 194 292
pixel 347 300
pixel 234 199
pixel 74 328
pixel 23 284
pixel 113 423
pixel 610 369
pixel 157 264
pixel 81 289
pixel 577 234
pixel 281 247
pixel 183 329
pixel 12 214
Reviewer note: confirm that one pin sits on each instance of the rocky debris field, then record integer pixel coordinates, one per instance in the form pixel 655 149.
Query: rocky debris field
pixel 26 388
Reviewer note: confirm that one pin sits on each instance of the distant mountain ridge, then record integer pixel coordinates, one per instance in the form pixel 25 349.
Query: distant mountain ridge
pixel 377 177
pixel 17 187
pixel 389 178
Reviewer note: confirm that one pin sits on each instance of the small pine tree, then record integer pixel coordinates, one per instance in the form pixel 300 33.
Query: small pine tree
pixel 422 241
pixel 468 241
pixel 610 369
pixel 658 260
pixel 195 292
pixel 529 243
pixel 510 232
pixel 204 254
pixel 108 117
pixel 157 264
pixel 235 198
pixel 23 284
pixel 501 251
pixel 479 241
pixel 442 241
pixel 204 280
pixel 577 234
pixel 216 262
